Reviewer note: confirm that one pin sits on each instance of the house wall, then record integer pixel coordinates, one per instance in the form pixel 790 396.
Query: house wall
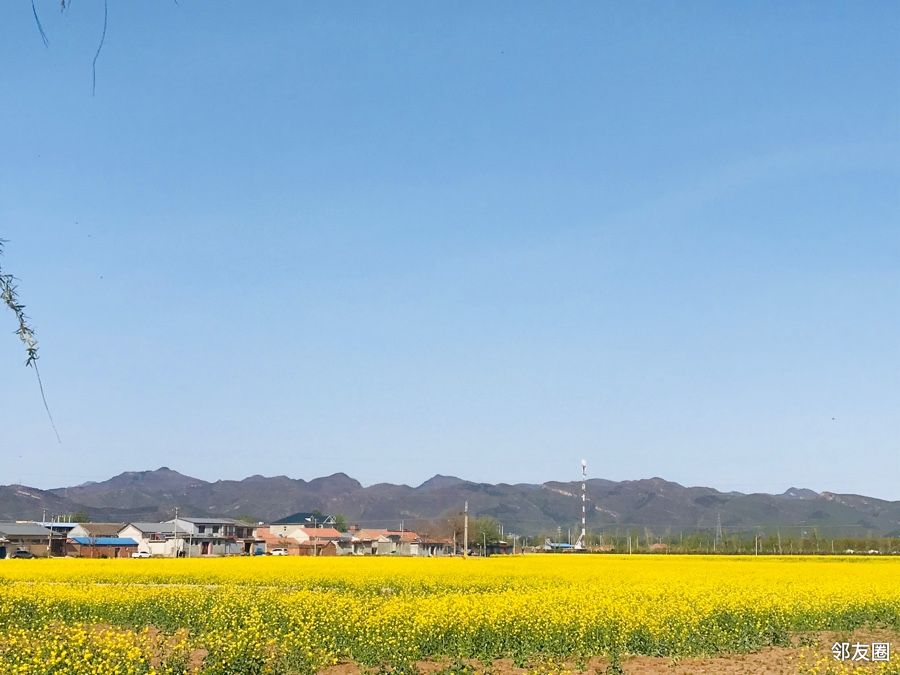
pixel 37 546
pixel 166 547
pixel 79 531
pixel 88 551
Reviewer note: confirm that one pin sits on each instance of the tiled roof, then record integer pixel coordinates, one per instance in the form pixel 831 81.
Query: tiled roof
pixel 321 532
pixel 304 518
pixel 443 541
pixel 102 529
pixel 23 530
pixel 147 528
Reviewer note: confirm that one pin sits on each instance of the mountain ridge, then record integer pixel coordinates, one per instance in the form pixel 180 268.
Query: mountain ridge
pixel 527 508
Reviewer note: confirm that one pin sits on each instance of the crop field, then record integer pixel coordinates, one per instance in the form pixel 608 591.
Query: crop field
pixel 540 612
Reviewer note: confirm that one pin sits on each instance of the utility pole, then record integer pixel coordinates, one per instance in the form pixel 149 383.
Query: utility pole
pixel 484 544
pixel 466 531
pixel 718 531
pixel 175 525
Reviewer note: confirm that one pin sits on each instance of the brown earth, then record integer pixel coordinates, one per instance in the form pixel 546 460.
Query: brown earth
pixel 811 653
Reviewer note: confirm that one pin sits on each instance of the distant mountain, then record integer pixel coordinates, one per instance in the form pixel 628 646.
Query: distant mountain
pixel 524 508
pixel 438 481
pixel 799 493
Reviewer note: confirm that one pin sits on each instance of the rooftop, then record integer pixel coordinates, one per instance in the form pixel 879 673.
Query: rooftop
pixel 102 529
pixel 104 541
pixel 23 530
pixel 305 518
pixel 162 528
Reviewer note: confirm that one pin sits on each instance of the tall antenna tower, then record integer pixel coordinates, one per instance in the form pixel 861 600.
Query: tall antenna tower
pixel 579 545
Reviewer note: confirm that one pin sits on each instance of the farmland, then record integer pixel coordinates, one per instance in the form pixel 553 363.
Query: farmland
pixel 242 615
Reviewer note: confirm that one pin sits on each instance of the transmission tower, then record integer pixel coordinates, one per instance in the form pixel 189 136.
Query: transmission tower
pixel 580 544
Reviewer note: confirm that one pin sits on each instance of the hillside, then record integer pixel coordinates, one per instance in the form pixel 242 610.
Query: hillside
pixel 524 508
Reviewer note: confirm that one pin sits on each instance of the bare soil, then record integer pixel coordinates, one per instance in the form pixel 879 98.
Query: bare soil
pixel 802 657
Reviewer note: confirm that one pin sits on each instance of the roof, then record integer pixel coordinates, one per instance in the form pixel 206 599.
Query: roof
pixel 373 534
pixel 431 541
pixel 164 528
pixel 56 525
pixel 305 518
pixel 104 541
pixel 102 529
pixel 211 521
pixel 23 530
pixel 321 532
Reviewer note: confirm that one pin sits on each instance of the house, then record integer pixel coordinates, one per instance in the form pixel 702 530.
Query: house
pixel 299 540
pixel 500 547
pixel 272 540
pixel 158 539
pixel 365 541
pixel 324 540
pixel 210 536
pixel 385 542
pixel 94 530
pixel 435 546
pixel 307 519
pixel 60 532
pixel 101 547
pixel 24 536
pixel 398 542
pixel 283 530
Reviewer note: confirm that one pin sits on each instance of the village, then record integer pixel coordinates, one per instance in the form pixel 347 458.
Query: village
pixel 300 534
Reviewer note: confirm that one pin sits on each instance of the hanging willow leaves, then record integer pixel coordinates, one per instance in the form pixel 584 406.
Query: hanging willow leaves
pixel 10 298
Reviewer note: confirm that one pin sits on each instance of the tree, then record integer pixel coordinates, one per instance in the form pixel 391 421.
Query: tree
pixel 483 529
pixel 340 522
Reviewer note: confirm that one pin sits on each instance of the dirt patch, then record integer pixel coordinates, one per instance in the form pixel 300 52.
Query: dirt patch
pixel 809 653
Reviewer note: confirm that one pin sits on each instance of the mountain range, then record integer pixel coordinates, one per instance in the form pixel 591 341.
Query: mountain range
pixel 523 507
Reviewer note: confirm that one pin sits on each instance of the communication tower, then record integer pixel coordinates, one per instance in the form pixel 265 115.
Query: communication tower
pixel 580 544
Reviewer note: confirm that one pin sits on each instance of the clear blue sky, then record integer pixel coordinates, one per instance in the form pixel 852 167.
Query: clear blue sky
pixel 483 239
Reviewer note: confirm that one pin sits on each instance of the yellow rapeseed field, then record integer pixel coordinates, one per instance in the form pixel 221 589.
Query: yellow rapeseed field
pixel 295 615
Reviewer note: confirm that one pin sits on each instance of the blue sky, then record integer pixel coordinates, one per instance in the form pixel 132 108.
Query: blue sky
pixel 483 239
